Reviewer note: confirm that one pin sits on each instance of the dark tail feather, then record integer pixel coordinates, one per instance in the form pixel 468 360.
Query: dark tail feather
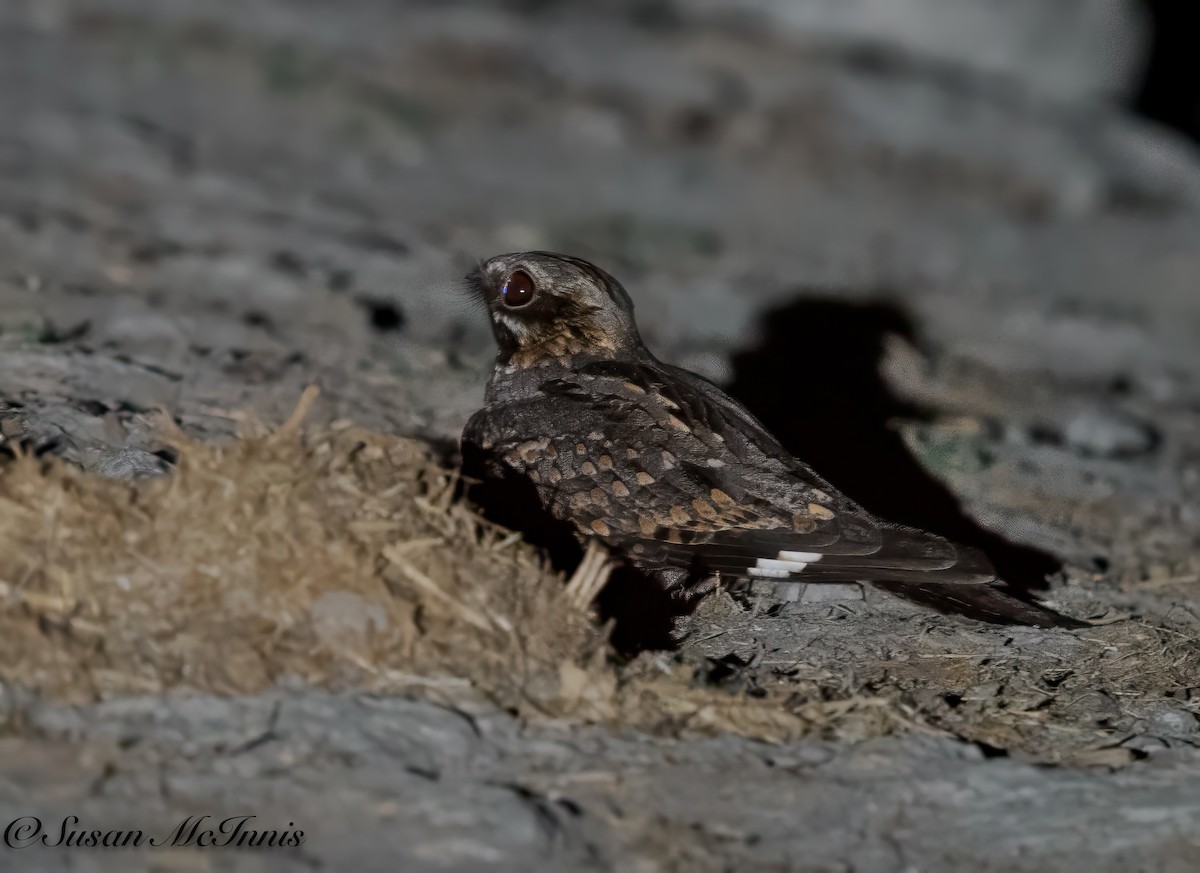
pixel 966 585
pixel 858 571
pixel 907 556
pixel 992 603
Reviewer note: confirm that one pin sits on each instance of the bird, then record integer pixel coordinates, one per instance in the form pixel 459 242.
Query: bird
pixel 652 466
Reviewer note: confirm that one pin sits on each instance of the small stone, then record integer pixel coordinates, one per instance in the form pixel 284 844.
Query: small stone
pixel 344 620
pixel 985 691
pixel 1172 722
pixel 790 592
pixel 1106 434
pixel 125 463
pixel 829 593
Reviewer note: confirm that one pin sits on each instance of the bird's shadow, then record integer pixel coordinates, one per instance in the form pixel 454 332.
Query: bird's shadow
pixel 643 614
pixel 1164 94
pixel 815 381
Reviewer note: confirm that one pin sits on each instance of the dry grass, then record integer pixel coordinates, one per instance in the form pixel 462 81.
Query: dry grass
pixel 341 558
pixel 338 558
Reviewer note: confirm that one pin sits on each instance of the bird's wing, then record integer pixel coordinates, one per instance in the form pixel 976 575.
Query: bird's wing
pixel 668 470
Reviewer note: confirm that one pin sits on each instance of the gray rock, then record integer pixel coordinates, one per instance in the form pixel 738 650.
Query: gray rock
pixel 125 463
pixel 1097 47
pixel 831 593
pixel 446 791
pixel 1108 434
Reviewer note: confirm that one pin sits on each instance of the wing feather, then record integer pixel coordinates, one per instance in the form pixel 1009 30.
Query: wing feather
pixel 711 490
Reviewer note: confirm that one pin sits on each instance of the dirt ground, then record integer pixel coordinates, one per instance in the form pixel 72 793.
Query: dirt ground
pixel 971 303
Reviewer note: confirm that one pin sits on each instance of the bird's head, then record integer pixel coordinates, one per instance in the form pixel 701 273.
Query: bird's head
pixel 546 306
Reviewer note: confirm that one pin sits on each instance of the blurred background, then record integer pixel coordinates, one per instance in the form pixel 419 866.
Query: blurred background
pixel 978 217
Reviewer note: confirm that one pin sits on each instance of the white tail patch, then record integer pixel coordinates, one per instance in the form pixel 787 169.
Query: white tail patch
pixel 786 564
pixel 764 573
pixel 801 557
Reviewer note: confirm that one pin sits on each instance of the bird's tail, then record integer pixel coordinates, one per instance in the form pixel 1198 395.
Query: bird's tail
pixel 996 603
pixel 932 571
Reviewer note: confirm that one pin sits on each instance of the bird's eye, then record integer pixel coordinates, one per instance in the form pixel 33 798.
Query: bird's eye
pixel 518 290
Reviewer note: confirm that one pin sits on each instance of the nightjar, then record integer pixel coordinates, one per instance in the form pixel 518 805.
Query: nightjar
pixel 665 472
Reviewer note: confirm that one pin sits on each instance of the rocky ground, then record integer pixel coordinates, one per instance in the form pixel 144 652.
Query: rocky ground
pixel 964 289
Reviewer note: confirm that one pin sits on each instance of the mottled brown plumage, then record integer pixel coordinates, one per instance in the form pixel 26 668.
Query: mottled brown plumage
pixel 668 472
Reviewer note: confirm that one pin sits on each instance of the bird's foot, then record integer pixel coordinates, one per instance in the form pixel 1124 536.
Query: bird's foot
pixel 590 577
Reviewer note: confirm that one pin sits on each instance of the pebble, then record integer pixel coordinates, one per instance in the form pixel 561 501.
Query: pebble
pixel 1105 434
pixel 828 593
pixel 343 620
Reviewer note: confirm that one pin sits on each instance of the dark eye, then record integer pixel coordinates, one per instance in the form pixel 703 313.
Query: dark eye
pixel 518 290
